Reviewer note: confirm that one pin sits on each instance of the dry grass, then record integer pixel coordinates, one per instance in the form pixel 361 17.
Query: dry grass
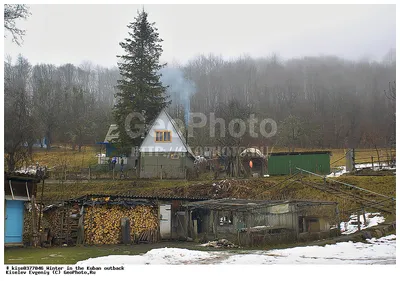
pixel 66 156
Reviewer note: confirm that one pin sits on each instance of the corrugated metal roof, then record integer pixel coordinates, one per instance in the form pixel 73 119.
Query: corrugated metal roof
pixel 247 204
pixel 88 197
pixel 22 176
pixel 149 197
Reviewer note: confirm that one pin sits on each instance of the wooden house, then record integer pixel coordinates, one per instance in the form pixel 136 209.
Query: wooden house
pixel 164 152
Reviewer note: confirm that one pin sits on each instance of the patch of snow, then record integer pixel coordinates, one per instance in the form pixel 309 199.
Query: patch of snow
pixel 350 226
pixel 340 171
pixel 376 166
pixel 30 170
pixel 340 253
pixel 155 256
pixel 382 239
pixel 261 226
pixel 376 251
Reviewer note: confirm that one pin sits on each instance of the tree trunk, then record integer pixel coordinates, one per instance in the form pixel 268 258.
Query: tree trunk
pixel 10 162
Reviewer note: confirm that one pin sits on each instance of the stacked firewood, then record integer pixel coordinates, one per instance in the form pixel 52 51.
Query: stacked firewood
pixel 102 223
pixel 52 220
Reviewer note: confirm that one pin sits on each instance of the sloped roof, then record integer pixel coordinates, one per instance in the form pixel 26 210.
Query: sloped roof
pixel 109 137
pixel 248 204
pixel 253 152
pixel 180 135
pixel 22 176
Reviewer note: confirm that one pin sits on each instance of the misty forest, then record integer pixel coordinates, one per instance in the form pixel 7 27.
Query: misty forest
pixel 317 102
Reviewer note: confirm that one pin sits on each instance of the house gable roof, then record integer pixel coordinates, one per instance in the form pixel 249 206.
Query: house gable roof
pixel 149 140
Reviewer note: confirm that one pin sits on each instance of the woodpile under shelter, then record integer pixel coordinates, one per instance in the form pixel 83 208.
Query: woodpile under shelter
pixel 259 222
pixel 115 219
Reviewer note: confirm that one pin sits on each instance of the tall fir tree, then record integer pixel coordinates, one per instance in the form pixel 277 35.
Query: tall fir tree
pixel 140 89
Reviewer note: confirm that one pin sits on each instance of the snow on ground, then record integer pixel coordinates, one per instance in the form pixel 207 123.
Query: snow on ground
pixel 351 225
pixel 155 256
pixel 342 169
pixel 383 166
pixel 378 251
pixel 375 251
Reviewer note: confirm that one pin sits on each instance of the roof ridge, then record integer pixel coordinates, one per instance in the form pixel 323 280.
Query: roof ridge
pixel 180 135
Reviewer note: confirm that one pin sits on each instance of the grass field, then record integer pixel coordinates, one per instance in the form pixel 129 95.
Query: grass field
pixel 66 156
pixel 73 159
pixel 71 255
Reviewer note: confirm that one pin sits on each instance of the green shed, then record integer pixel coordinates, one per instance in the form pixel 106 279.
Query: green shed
pixel 285 163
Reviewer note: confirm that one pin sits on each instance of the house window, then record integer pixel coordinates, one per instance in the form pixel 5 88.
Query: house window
pixel 159 136
pixel 163 136
pixel 167 136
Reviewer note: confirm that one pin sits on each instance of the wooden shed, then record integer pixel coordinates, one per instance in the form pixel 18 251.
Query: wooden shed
pixel 259 222
pixel 99 219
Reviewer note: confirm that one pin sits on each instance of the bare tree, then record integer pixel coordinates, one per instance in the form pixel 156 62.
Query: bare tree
pixel 391 94
pixel 17 113
pixel 13 12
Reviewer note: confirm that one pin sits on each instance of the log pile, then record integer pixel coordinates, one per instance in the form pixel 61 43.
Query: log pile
pixel 27 234
pixel 63 223
pixel 28 228
pixel 102 223
pixel 52 220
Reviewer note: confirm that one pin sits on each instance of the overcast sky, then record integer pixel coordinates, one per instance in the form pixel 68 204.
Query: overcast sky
pixel 61 34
